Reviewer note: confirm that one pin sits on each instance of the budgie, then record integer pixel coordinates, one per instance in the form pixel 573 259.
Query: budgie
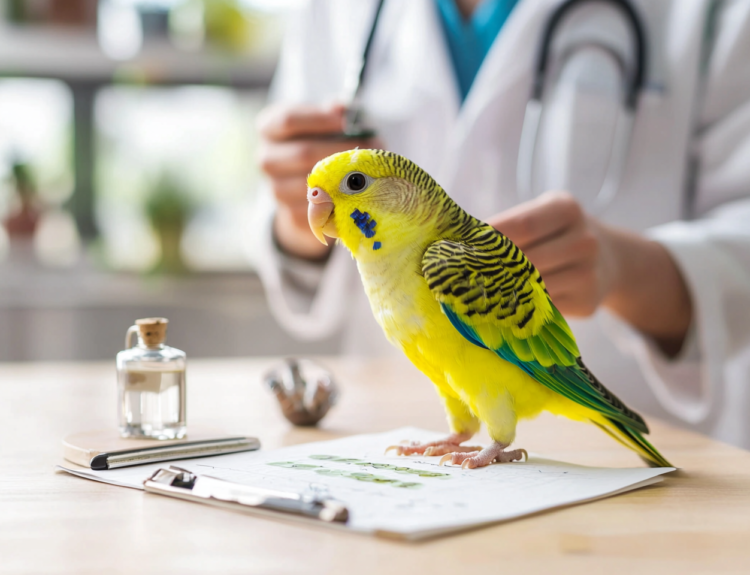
pixel 465 305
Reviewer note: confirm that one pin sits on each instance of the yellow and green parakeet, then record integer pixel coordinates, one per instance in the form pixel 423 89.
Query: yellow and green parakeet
pixel 464 304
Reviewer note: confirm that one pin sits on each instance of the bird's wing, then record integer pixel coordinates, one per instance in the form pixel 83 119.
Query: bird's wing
pixel 496 299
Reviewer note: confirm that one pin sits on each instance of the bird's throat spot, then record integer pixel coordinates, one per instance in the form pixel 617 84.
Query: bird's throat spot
pixel 364 222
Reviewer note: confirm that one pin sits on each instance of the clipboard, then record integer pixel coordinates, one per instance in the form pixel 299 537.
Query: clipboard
pixel 176 482
pixel 347 484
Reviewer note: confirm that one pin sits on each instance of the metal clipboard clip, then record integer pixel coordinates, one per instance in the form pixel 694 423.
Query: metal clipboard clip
pixel 183 484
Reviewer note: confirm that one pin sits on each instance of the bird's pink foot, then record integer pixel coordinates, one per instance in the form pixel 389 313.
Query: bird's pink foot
pixel 494 453
pixel 450 444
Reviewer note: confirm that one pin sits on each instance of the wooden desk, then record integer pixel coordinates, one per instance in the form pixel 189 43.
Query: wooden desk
pixel 695 521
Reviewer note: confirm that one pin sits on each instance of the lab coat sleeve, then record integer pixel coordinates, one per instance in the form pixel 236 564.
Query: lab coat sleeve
pixel 713 255
pixel 712 251
pixel 308 299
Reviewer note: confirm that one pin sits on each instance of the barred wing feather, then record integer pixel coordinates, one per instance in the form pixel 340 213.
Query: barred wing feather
pixel 497 300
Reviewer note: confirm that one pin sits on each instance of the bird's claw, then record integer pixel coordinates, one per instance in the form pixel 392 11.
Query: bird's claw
pixel 430 449
pixel 480 459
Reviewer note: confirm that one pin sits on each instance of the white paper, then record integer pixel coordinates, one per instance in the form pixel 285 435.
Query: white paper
pixel 414 503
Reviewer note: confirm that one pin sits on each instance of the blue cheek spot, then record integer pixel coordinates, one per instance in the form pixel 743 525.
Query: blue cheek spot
pixel 364 223
pixel 377 245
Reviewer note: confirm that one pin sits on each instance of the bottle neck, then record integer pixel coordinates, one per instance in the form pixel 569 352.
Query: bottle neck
pixel 143 345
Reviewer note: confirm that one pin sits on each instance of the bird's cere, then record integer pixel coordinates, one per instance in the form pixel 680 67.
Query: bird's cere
pixel 319 210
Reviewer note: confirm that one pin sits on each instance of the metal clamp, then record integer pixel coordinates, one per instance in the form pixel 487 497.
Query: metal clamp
pixel 177 482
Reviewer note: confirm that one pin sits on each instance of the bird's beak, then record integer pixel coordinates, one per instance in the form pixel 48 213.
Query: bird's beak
pixel 319 211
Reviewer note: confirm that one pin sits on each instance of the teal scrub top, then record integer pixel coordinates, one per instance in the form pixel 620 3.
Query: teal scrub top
pixel 469 41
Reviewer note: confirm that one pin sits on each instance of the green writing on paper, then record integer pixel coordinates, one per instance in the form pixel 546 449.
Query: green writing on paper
pixel 360 475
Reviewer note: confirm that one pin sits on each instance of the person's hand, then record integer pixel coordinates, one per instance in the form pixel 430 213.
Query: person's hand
pixel 565 246
pixel 294 139
pixel 585 264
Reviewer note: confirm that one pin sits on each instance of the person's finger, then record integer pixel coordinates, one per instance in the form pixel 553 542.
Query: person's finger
pixel 290 190
pixel 297 157
pixel 283 122
pixel 293 188
pixel 567 305
pixel 539 219
pixel 573 247
pixel 299 216
pixel 571 306
pixel 575 286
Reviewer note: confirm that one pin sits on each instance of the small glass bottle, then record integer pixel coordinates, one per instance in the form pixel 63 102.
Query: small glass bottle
pixel 151 384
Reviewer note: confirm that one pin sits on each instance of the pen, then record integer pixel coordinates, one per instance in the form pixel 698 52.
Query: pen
pixel 181 450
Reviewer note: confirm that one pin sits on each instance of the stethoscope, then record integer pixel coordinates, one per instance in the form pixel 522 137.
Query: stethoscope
pixel 633 75
pixel 633 78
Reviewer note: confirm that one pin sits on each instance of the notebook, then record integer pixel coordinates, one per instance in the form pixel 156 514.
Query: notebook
pixel 105 449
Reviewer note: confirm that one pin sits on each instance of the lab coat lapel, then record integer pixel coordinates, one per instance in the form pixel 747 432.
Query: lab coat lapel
pixel 438 76
pixel 418 86
pixel 510 58
pixel 411 51
pixel 512 54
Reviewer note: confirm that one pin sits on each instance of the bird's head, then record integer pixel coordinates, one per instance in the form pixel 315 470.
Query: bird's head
pixel 376 202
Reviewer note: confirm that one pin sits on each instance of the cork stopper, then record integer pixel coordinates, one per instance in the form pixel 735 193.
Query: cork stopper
pixel 153 330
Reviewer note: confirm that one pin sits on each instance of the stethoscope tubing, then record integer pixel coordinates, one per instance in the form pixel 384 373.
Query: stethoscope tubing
pixel 534 109
pixel 634 83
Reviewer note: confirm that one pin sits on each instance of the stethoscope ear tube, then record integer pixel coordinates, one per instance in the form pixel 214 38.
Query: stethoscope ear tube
pixel 525 168
pixel 624 127
pixel 618 156
pixel 638 77
pixel 353 85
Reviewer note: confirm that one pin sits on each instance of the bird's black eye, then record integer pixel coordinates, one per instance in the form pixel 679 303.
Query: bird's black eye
pixel 356 182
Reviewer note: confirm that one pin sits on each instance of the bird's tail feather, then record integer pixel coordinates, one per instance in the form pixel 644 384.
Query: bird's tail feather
pixel 632 439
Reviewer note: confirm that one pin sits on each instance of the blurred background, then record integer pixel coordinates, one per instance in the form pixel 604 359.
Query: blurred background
pixel 128 175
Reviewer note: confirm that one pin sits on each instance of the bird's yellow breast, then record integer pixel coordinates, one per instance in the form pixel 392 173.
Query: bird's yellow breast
pixel 412 320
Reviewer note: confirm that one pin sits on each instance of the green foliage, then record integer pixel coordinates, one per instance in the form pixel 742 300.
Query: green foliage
pixel 228 26
pixel 168 209
pixel 23 180
pixel 168 205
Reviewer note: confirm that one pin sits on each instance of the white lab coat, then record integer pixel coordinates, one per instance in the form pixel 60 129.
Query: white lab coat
pixel 411 97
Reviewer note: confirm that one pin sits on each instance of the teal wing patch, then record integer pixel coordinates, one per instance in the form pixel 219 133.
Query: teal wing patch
pixel 467 280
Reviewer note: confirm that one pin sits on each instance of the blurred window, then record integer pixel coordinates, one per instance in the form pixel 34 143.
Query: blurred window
pixel 199 141
pixel 36 130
